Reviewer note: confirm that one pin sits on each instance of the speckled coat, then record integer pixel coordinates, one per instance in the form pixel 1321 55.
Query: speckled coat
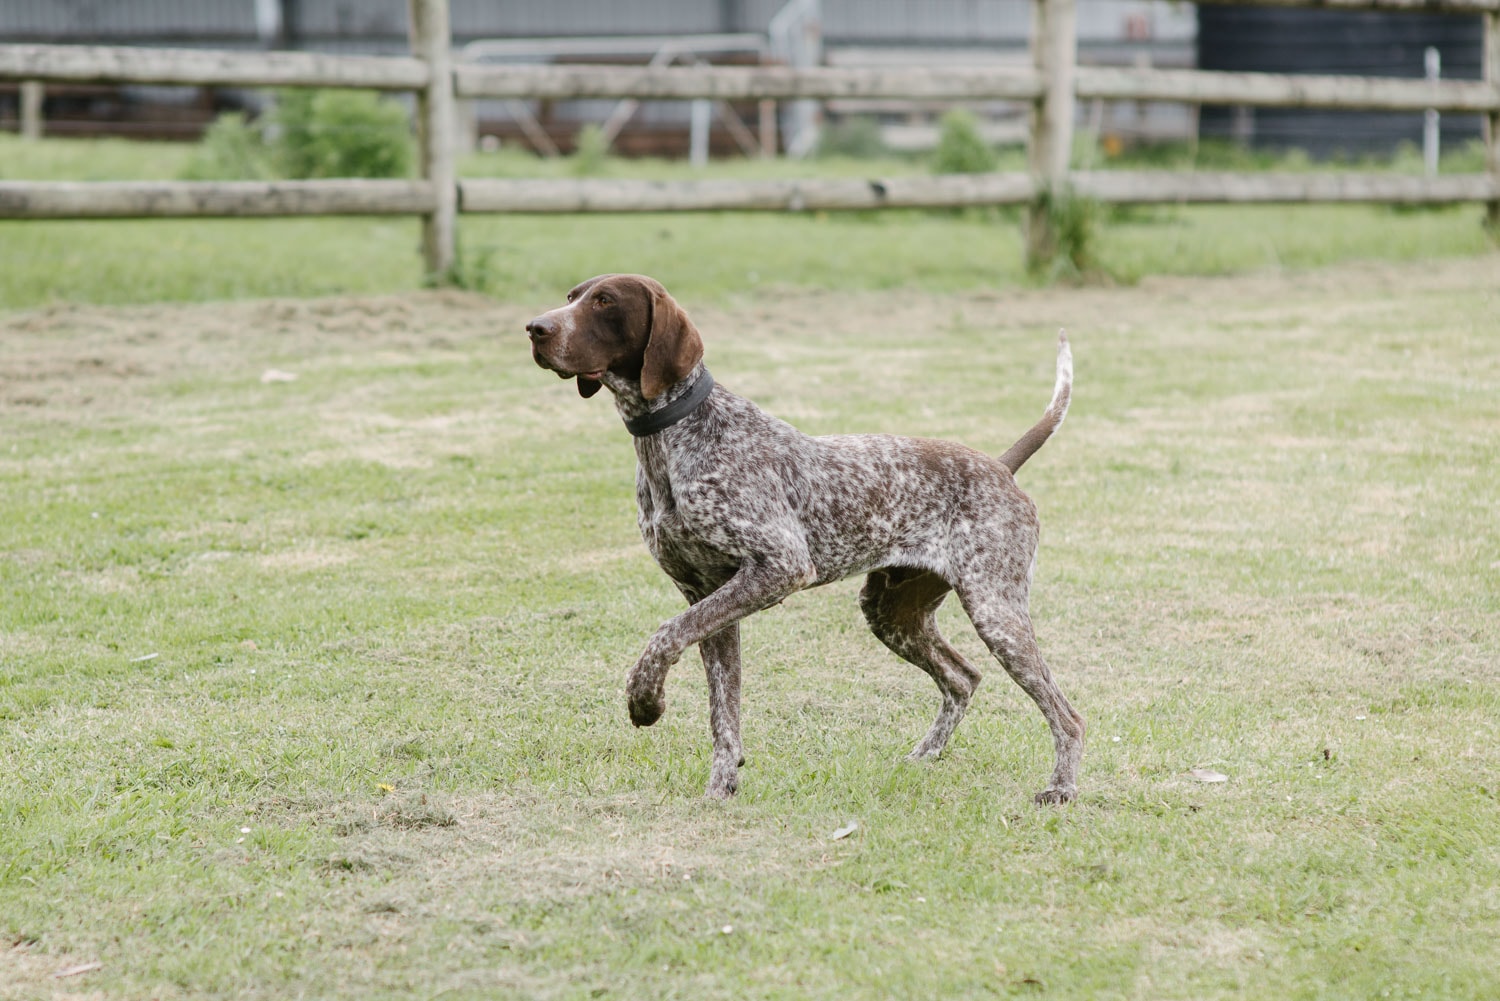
pixel 741 510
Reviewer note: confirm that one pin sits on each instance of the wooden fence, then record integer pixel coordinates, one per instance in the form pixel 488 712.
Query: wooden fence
pixel 1052 86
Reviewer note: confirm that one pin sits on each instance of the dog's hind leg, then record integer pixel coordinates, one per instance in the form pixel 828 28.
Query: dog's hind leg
pixel 1000 617
pixel 901 604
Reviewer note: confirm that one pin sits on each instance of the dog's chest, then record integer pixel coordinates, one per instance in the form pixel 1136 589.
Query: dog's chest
pixel 678 548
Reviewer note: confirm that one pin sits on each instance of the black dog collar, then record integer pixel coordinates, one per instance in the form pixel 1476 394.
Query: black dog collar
pixel 660 420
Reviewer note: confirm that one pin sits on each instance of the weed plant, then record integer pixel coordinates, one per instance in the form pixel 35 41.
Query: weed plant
pixel 961 149
pixel 308 134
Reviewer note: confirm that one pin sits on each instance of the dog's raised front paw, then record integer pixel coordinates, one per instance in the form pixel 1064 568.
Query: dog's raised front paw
pixel 646 706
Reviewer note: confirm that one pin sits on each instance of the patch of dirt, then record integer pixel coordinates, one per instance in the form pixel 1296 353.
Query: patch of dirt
pixel 523 843
pixel 304 560
pixel 92 357
pixel 28 974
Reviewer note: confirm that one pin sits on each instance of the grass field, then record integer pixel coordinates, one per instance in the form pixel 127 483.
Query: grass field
pixel 313 688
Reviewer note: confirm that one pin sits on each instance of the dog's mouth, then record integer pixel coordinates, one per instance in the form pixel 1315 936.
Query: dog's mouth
pixel 563 371
pixel 564 374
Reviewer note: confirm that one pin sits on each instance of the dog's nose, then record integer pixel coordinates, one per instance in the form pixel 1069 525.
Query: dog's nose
pixel 541 328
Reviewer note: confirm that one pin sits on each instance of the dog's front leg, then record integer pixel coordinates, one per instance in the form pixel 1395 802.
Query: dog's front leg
pixel 721 663
pixel 759 583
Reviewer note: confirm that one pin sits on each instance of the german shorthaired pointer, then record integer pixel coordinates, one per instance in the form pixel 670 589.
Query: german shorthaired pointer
pixel 741 510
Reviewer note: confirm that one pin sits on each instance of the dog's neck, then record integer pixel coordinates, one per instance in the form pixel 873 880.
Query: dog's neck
pixel 633 406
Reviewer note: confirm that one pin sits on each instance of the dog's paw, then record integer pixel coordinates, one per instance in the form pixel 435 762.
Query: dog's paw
pixel 724 774
pixel 721 790
pixel 924 752
pixel 646 706
pixel 1057 795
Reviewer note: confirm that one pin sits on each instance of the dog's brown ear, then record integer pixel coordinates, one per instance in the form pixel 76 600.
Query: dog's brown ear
pixel 674 348
pixel 588 387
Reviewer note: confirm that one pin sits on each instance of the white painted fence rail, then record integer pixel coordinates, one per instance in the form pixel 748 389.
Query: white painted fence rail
pixel 1052 85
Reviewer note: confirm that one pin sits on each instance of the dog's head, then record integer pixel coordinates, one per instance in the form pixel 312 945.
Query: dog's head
pixel 625 325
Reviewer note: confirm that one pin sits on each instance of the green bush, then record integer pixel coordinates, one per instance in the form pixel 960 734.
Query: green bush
pixel 340 133
pixel 857 137
pixel 591 152
pixel 232 149
pixel 961 149
pixel 309 133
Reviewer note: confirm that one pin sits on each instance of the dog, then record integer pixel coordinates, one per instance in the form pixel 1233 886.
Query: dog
pixel 740 510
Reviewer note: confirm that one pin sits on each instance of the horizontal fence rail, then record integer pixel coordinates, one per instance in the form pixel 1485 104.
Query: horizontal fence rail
pixel 1197 187
pixel 1278 90
pixel 249 199
pixel 742 82
pixel 960 191
pixel 1189 86
pixel 121 64
pixel 208 67
pixel 206 199
pixel 817 195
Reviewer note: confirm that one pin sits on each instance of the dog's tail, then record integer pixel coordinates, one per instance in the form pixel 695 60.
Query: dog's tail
pixel 1062 391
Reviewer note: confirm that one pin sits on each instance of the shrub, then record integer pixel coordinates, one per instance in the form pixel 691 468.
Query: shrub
pixel 232 149
pixel 857 137
pixel 591 152
pixel 340 133
pixel 961 149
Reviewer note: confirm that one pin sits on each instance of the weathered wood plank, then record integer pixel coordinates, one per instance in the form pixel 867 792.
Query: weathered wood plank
pixel 1183 187
pixel 206 67
pixel 1054 52
pixel 152 199
pixel 430 42
pixel 1492 120
pixel 731 83
pixel 137 199
pixel 590 195
pixel 1145 187
pixel 1285 90
pixel 33 96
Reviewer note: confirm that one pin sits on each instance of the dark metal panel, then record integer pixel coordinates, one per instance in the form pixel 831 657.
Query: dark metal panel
pixel 1258 39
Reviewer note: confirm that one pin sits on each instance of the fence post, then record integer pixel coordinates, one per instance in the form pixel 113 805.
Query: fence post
pixel 1432 69
pixel 32 94
pixel 1054 53
pixel 1492 140
pixel 430 42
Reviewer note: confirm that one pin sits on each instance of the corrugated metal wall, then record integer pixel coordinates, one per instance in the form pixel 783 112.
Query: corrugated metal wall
pixel 1340 42
pixel 378 23
pixel 104 22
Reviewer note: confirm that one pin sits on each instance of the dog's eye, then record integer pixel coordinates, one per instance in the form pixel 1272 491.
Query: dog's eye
pixel 603 300
pixel 572 295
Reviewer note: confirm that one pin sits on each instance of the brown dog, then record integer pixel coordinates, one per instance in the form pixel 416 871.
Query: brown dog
pixel 741 510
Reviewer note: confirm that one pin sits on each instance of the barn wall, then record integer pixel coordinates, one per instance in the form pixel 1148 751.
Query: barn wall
pixel 1251 39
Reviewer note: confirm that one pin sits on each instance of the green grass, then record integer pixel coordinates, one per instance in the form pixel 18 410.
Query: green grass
pixel 705 255
pixel 315 688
